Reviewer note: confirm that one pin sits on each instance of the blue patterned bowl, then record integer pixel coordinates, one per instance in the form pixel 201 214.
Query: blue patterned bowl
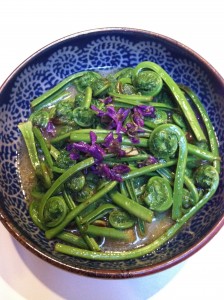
pixel 104 49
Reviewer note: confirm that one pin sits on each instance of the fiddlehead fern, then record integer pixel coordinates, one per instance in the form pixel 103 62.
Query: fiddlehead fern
pixel 158 195
pixel 55 211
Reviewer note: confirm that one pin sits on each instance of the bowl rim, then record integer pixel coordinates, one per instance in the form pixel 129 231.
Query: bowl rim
pixel 113 274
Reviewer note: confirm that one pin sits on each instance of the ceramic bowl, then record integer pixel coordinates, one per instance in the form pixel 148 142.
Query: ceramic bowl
pixel 104 49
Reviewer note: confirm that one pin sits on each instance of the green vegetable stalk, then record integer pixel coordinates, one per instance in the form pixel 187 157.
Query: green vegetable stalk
pixel 26 129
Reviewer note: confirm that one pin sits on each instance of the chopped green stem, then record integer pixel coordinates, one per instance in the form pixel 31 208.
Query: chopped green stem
pixel 107 232
pixel 101 90
pixel 72 239
pixel 123 188
pixel 143 142
pixel 178 95
pixel 88 130
pixel 61 137
pixel 131 206
pixel 131 98
pixel 88 97
pixel 133 158
pixel 204 154
pixel 103 131
pixel 147 169
pixel 58 170
pixel 37 195
pixel 43 145
pixel 26 129
pixel 127 104
pixel 133 196
pixel 54 152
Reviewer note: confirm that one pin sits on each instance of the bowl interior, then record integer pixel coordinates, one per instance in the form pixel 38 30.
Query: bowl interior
pixel 104 50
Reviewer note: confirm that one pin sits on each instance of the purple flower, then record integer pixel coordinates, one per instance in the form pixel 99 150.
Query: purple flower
pixel 73 153
pixel 119 117
pixel 146 110
pixel 97 152
pixel 113 173
pixel 141 111
pixel 111 118
pixel 93 137
pixel 93 150
pixel 151 160
pixel 113 145
pixel 100 113
pixel 81 146
pixel 121 169
pixel 49 129
pixel 107 100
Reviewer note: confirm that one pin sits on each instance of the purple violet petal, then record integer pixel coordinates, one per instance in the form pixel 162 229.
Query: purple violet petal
pixel 146 110
pixel 104 170
pixel 100 112
pixel 114 119
pixel 119 138
pixel 134 140
pixel 107 100
pixel 124 112
pixel 50 128
pixel 69 147
pixel 121 169
pixel 111 111
pixel 113 145
pixel 121 116
pixel 81 146
pixel 97 152
pixel 108 140
pixel 93 137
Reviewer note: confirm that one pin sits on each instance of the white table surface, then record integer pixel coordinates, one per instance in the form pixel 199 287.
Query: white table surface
pixel 26 26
